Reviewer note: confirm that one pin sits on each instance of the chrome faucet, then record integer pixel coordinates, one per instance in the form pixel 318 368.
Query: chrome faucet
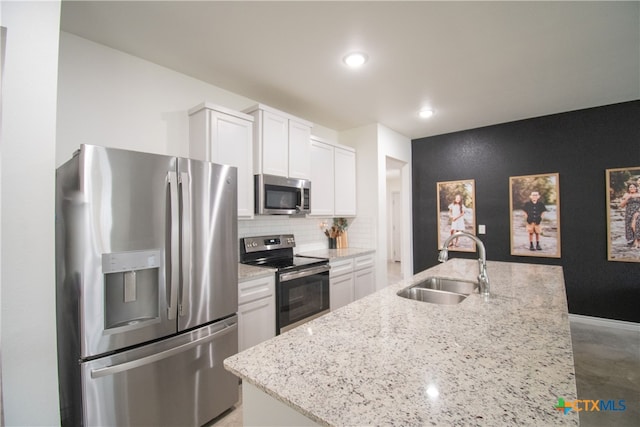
pixel 483 279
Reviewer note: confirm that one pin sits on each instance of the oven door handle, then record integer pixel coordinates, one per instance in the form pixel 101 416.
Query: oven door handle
pixel 284 277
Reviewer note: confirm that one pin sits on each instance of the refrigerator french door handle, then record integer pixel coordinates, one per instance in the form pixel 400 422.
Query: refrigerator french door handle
pixel 173 257
pixel 132 364
pixel 185 191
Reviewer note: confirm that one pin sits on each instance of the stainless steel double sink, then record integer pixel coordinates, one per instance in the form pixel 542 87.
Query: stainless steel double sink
pixel 439 290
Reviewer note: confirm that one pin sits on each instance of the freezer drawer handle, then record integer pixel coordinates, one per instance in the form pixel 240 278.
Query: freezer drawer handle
pixel 114 369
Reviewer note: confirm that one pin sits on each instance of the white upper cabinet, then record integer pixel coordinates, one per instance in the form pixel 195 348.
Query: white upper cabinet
pixel 345 181
pixel 274 146
pixel 299 150
pixel 322 178
pixel 220 135
pixel 281 143
pixel 333 179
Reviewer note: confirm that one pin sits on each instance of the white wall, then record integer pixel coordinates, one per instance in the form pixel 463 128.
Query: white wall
pixel 398 147
pixel 2 50
pixel 394 183
pixel 374 144
pixel 110 98
pixel 29 367
pixel 363 230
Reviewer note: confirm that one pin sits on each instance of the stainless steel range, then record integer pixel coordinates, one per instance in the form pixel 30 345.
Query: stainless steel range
pixel 302 283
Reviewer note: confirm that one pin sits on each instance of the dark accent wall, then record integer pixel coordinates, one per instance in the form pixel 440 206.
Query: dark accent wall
pixel 579 145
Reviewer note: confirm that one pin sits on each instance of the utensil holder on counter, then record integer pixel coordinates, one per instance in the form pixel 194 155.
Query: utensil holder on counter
pixel 342 241
pixel 333 243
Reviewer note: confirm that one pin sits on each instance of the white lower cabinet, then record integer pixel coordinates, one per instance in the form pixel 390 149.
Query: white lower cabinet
pixel 364 275
pixel 364 282
pixel 256 311
pixel 351 279
pixel 341 283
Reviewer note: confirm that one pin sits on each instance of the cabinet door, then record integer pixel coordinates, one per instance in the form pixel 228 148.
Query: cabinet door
pixel 275 144
pixel 256 322
pixel 345 182
pixel 341 291
pixel 321 179
pixel 231 140
pixel 365 283
pixel 256 311
pixel 299 150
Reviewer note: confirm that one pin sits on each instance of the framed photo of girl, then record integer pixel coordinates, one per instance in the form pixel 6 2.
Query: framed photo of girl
pixel 534 202
pixel 456 212
pixel 623 214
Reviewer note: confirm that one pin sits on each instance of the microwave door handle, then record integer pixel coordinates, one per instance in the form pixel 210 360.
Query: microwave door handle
pixel 172 254
pixel 300 200
pixel 183 305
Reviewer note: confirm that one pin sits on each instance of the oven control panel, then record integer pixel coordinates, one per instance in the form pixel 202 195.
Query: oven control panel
pixel 266 243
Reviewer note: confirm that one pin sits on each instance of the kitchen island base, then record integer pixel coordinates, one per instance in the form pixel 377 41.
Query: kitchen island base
pixel 260 409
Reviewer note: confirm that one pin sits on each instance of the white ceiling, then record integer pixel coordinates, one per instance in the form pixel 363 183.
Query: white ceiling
pixel 474 63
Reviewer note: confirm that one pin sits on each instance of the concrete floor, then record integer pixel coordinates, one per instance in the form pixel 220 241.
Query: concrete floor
pixel 607 364
pixel 230 418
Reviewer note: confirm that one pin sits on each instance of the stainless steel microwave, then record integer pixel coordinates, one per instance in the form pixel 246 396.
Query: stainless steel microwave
pixel 276 195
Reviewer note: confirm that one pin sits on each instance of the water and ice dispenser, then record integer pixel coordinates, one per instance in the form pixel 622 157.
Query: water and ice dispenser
pixel 131 287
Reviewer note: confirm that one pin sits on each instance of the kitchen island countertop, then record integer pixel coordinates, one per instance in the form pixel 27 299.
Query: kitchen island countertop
pixel 387 360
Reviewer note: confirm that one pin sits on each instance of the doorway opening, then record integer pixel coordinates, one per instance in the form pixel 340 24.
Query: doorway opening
pixel 395 222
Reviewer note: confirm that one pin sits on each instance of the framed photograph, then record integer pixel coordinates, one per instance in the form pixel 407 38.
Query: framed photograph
pixel 623 214
pixel 534 201
pixel 457 212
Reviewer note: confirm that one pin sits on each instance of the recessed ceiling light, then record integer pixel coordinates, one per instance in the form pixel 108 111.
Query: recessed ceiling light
pixel 426 113
pixel 355 59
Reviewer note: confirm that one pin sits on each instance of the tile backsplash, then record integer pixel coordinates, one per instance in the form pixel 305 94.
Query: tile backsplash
pixel 309 232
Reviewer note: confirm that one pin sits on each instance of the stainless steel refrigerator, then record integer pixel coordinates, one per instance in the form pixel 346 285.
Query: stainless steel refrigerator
pixel 146 298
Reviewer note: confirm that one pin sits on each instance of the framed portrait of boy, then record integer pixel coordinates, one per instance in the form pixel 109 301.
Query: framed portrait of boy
pixel 456 212
pixel 623 214
pixel 534 202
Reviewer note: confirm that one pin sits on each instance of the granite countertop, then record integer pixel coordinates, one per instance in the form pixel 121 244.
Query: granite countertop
pixel 387 360
pixel 332 254
pixel 247 272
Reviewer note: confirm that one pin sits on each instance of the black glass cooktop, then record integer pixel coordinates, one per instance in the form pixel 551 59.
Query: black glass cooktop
pixel 289 262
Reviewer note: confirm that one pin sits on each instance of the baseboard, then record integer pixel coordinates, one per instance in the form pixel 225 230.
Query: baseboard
pixel 607 323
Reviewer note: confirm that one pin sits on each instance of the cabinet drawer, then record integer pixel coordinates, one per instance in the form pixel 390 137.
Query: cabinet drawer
pixel 254 289
pixel 363 261
pixel 256 322
pixel 340 267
